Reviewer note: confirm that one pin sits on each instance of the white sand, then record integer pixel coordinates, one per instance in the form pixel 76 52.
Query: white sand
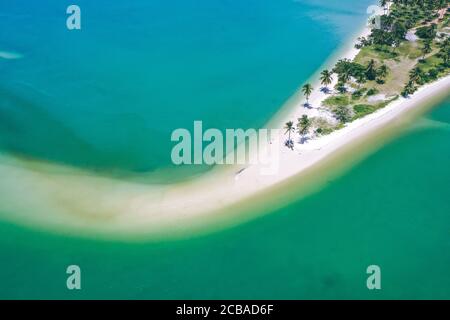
pixel 74 198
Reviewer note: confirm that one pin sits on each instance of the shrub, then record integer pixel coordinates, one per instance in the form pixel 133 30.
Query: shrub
pixel 358 93
pixel 372 91
pixel 428 32
pixel 342 114
pixel 433 74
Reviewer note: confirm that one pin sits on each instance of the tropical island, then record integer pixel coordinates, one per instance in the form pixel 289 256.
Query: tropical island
pixel 408 49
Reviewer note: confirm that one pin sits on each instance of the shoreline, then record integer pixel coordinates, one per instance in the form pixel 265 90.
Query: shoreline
pixel 87 202
pixel 290 107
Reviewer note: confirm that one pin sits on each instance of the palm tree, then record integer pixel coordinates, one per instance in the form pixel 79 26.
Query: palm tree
pixel 409 89
pixel 395 45
pixel 445 54
pixel 382 73
pixel 445 50
pixel 426 48
pixel 340 87
pixel 326 78
pixel 342 114
pixel 360 79
pixel 289 126
pixel 416 74
pixel 303 125
pixel 307 90
pixel 370 70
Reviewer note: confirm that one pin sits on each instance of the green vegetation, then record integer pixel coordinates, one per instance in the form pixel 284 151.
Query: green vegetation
pixel 426 49
pixel 323 127
pixel 289 126
pixel 427 32
pixel 382 73
pixel 342 113
pixel 388 45
pixel 357 94
pixel 411 48
pixel 334 101
pixel 371 92
pixel 361 110
pixel 303 125
pixel 326 78
pixel 307 90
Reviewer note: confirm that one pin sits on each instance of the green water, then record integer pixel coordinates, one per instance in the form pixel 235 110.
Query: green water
pixel 391 210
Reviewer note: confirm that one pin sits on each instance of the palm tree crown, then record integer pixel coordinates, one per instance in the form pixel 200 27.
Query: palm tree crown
pixel 426 48
pixel 303 124
pixel 307 90
pixel 289 126
pixel 326 78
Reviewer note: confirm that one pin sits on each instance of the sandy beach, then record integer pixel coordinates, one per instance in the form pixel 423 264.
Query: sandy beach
pixel 81 200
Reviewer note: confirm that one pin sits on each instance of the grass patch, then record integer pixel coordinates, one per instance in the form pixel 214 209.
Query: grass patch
pixel 336 101
pixel 409 50
pixel 430 63
pixel 362 110
pixel 378 53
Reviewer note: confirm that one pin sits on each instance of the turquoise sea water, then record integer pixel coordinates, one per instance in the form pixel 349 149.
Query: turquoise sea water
pixel 114 91
pixel 107 99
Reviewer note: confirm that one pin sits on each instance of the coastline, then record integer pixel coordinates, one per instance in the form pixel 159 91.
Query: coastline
pixel 94 203
pixel 292 105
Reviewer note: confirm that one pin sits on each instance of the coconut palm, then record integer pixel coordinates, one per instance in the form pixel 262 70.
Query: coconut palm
pixel 340 87
pixel 342 114
pixel 395 45
pixel 445 54
pixel 409 89
pixel 426 49
pixel 326 78
pixel 303 125
pixel 289 126
pixel 382 73
pixel 416 74
pixel 343 68
pixel 370 70
pixel 307 90
pixel 360 78
pixel 444 51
